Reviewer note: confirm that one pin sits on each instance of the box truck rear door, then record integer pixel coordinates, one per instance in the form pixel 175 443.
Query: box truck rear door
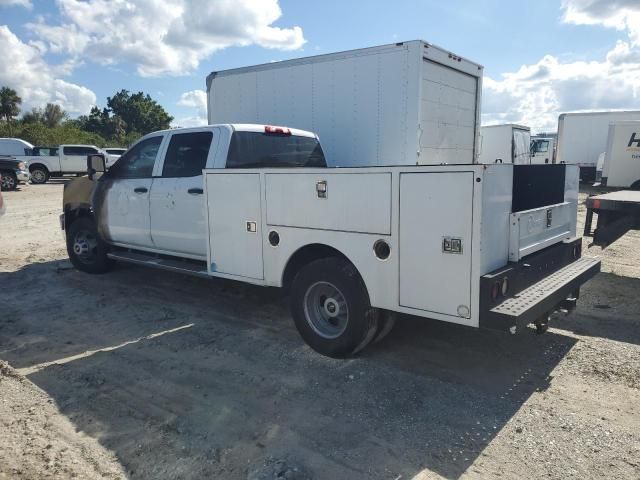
pixel 447 115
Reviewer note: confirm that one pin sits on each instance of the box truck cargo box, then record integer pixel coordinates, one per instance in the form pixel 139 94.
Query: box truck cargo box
pixel 622 160
pixel 408 103
pixel 507 143
pixel 582 137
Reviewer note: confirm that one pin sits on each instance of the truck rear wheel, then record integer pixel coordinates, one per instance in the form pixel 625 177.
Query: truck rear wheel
pixel 86 250
pixel 39 174
pixel 331 309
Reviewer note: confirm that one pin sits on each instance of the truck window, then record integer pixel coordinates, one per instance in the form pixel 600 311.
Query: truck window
pixel 45 152
pixel 79 150
pixel 138 161
pixel 540 146
pixel 262 150
pixel 187 154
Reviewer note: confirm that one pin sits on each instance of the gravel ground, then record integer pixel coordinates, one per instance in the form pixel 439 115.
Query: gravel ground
pixel 138 374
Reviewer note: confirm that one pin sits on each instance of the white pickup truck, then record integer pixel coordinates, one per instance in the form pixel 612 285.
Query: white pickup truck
pixel 46 162
pixel 490 246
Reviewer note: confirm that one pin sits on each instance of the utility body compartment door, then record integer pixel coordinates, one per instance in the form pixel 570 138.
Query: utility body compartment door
pixel 235 224
pixel 436 224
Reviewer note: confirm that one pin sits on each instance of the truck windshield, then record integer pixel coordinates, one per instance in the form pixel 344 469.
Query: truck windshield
pixel 263 150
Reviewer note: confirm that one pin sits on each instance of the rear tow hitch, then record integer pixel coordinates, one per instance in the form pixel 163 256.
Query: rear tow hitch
pixel 542 323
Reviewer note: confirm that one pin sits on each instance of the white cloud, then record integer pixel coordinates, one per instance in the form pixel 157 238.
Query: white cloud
pixel 38 82
pixel 619 14
pixel 16 3
pixel 536 94
pixel 196 99
pixel 164 36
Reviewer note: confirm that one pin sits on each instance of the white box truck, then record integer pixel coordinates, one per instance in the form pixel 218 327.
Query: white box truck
pixel 621 168
pixel 508 143
pixel 409 103
pixel 582 137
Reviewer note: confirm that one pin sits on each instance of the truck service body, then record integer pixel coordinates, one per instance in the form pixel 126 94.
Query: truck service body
pixel 490 246
pixel 508 143
pixel 582 137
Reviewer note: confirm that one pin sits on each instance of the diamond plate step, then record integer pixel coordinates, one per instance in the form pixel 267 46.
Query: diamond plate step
pixel 543 296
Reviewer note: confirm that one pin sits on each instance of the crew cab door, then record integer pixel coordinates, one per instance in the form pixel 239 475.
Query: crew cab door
pixel 177 205
pixel 123 204
pixel 74 159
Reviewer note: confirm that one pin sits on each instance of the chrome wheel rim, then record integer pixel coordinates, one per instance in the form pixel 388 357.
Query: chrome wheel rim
pixel 85 246
pixel 38 176
pixel 326 310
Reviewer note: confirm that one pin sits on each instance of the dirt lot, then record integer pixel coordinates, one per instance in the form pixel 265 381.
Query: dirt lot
pixel 154 375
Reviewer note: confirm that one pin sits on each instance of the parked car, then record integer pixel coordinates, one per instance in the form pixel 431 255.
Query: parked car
pixel 50 162
pixel 13 172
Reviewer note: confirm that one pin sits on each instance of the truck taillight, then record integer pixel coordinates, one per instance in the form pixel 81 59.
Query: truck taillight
pixel 277 130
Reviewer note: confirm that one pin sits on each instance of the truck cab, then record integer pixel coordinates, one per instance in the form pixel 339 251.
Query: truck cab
pixel 542 150
pixel 151 198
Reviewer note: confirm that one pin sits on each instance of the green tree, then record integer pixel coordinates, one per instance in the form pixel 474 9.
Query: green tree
pixel 34 116
pixel 139 112
pixel 9 104
pixel 53 115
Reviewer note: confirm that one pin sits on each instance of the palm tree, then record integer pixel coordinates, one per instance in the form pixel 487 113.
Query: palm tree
pixel 9 103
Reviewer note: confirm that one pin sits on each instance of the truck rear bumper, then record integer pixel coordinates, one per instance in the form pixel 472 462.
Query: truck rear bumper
pixel 556 285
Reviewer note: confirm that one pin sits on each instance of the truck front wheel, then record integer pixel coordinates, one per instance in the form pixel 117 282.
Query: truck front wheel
pixel 9 181
pixel 86 250
pixel 39 174
pixel 331 309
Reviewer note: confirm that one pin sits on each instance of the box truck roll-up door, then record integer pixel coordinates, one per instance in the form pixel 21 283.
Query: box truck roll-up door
pixel 447 115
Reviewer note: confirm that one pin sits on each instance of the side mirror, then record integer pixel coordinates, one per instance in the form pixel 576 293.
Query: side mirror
pixel 96 164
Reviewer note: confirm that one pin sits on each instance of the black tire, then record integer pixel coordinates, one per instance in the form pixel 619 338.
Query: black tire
pixel 9 181
pixel 39 174
pixel 635 185
pixel 86 250
pixel 386 322
pixel 327 287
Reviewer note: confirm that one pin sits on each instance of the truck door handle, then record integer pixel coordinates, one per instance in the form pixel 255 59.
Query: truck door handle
pixel 195 191
pixel 141 189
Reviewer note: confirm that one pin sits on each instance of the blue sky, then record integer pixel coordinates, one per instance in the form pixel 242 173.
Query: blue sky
pixel 585 54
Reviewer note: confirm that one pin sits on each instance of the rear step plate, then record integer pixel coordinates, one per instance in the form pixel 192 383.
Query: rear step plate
pixel 181 266
pixel 543 297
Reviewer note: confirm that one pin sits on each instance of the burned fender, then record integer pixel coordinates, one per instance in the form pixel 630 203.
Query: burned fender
pixel 85 197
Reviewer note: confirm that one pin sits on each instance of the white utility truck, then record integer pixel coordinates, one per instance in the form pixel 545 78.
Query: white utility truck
pixel 507 143
pixel 46 162
pixel 621 166
pixel 490 246
pixel 582 137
